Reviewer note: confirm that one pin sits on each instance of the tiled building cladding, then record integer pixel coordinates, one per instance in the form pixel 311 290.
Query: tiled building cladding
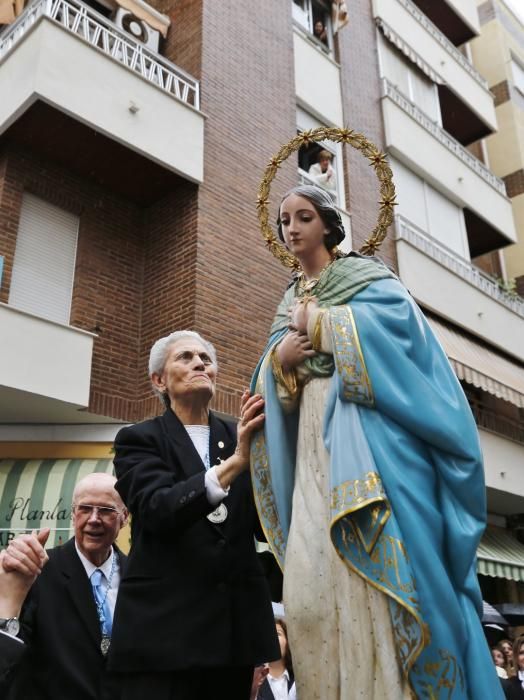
pixel 195 258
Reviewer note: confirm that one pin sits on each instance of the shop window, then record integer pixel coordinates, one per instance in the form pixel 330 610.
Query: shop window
pixel 315 17
pixel 44 261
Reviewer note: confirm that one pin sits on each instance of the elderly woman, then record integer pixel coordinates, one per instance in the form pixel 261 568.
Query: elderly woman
pixel 193 614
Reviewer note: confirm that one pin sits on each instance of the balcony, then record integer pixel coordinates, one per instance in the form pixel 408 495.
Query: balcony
pixel 321 96
pixel 466 296
pixel 45 368
pixel 62 53
pixel 411 30
pixel 458 20
pixel 442 161
pixel 503 466
pixel 467 11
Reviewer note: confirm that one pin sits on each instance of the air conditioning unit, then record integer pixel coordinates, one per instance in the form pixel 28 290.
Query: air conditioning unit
pixel 137 28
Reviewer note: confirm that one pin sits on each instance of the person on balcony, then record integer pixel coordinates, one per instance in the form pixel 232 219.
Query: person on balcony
pixel 322 173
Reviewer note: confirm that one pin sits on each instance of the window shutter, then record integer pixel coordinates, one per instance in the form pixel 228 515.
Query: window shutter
pixel 44 263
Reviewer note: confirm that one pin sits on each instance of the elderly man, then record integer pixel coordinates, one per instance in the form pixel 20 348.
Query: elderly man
pixel 194 614
pixel 66 621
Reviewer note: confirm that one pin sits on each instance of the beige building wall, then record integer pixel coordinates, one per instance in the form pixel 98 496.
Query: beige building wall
pixel 495 52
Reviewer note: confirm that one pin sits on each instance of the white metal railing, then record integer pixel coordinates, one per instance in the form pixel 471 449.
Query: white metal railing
pixel 442 136
pixel 444 41
pixel 103 35
pixel 405 230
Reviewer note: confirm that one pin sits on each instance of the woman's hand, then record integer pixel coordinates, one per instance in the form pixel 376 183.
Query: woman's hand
pixel 300 313
pixel 294 349
pixel 251 420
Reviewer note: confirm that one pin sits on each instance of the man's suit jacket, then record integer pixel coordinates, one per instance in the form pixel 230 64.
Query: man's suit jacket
pixel 60 625
pixel 194 594
pixel 11 652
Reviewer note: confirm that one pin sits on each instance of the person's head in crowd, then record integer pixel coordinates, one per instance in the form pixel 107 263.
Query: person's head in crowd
pixel 324 159
pixel 506 647
pixel 500 662
pixel 285 651
pixel 98 515
pixel 518 653
pixel 498 657
pixel 183 368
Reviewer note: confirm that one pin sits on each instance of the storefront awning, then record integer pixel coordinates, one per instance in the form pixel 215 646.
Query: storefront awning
pixel 500 555
pixel 480 366
pixel 37 493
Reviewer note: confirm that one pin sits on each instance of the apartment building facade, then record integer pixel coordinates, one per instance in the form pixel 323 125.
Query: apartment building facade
pixel 455 217
pixel 132 141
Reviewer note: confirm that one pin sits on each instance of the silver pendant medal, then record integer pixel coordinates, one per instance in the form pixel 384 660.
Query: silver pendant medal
pixel 218 515
pixel 104 644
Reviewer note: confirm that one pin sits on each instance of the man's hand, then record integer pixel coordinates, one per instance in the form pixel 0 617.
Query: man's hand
pixel 20 564
pixel 26 554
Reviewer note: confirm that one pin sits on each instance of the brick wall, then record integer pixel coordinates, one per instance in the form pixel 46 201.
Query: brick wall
pixel 108 273
pixel 357 54
pixel 168 298
pixel 514 183
pixel 183 44
pixel 195 259
pixel 248 97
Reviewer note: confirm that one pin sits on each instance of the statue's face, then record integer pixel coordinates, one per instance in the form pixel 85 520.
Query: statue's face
pixel 303 229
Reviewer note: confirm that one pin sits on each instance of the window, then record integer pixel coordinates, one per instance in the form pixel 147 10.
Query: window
pixel 312 166
pixel 429 210
pixel 408 79
pixel 315 17
pixel 44 262
pixel 517 70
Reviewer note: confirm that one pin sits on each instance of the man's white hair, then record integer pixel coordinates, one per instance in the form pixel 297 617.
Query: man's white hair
pixel 160 349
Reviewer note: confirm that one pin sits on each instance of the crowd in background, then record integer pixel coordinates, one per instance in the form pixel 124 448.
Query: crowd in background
pixel 508 658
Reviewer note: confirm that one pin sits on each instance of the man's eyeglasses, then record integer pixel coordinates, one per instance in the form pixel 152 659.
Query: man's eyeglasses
pixel 85 510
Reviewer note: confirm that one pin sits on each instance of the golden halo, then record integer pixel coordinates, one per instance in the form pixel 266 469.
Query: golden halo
pixel 377 160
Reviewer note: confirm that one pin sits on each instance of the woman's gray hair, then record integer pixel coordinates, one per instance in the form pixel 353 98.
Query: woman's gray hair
pixel 160 349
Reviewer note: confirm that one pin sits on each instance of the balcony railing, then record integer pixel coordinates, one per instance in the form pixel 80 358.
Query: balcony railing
pixel 103 35
pixel 442 136
pixel 407 231
pixel 500 425
pixel 452 50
